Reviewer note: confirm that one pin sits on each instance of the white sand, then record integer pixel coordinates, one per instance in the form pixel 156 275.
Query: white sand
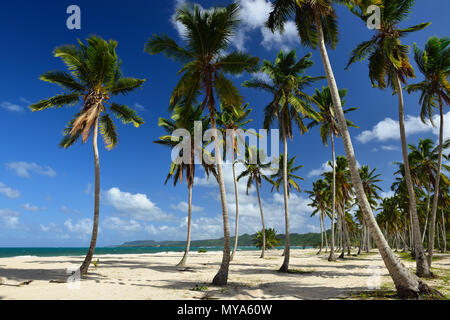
pixel 154 276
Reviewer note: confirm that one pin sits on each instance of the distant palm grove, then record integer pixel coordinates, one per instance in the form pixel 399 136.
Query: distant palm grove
pixel 413 220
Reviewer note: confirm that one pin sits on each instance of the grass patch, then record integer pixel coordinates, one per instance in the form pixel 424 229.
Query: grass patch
pixel 199 288
pixel 201 250
pixel 300 271
pixel 405 256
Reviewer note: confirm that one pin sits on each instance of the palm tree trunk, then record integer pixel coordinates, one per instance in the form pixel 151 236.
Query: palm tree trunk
pixel 236 198
pixel 444 231
pixel 436 187
pixel 406 283
pixel 263 250
pixel 87 260
pixel 427 214
pixel 332 257
pixel 422 267
pixel 325 231
pixel 221 278
pixel 321 233
pixel 285 266
pixel 182 263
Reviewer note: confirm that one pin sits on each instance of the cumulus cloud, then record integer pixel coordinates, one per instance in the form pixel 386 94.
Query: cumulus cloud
pixel 323 168
pixel 390 148
pixel 388 129
pixel 81 227
pixel 29 207
pixel 10 218
pixel 46 228
pixel 9 192
pixel 137 206
pixel 24 169
pixel 11 106
pixel 184 206
pixel 116 223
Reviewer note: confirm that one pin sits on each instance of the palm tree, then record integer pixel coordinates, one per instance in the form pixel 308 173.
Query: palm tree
pixel 328 129
pixel 317 25
pixel 288 106
pixel 206 38
pixel 94 75
pixel 254 170
pixel 319 197
pixel 434 64
pixel 271 239
pixel 233 119
pixel 185 118
pixel 388 60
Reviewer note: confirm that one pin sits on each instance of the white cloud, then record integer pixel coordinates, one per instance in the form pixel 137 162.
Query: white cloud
pixel 184 206
pixel 29 207
pixel 48 227
pixel 390 148
pixel 69 210
pixel 323 168
pixel 9 192
pixel 139 107
pixel 82 227
pixel 24 169
pixel 10 218
pixel 387 194
pixel 11 106
pixel 138 206
pixel 24 100
pixel 8 212
pixel 116 223
pixel 388 129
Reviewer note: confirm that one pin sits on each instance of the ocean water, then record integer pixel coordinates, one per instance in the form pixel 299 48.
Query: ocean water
pixel 56 252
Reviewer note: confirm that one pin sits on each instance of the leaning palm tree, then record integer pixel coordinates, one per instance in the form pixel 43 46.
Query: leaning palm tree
pixel 389 65
pixel 317 25
pixel 94 75
pixel 256 169
pixel 206 40
pixel 185 118
pixel 234 119
pixel 289 106
pixel 329 129
pixel 434 64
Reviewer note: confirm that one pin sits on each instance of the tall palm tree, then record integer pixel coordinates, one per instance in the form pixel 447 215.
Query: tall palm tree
pixel 206 39
pixel 434 64
pixel 319 197
pixel 184 117
pixel 329 129
pixel 389 65
pixel 289 104
pixel 95 76
pixel 256 169
pixel 317 25
pixel 233 119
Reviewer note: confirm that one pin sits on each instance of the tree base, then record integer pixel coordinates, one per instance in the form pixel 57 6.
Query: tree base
pixel 221 278
pixel 284 268
pixel 424 293
pixel 332 257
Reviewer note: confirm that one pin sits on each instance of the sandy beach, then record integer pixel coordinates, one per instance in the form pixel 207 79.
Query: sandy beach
pixel 154 276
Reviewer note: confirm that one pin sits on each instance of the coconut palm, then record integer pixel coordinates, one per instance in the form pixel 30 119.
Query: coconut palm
pixel 329 129
pixel 320 201
pixel 185 118
pixel 206 39
pixel 317 25
pixel 256 169
pixel 234 119
pixel 94 76
pixel 389 66
pixel 289 105
pixel 271 239
pixel 434 64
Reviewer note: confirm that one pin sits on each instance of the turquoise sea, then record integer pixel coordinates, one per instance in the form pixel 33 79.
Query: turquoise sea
pixel 55 252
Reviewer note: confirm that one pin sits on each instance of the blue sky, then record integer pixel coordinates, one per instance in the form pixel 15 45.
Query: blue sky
pixel 46 192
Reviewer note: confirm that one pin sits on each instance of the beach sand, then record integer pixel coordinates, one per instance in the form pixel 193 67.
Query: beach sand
pixel 154 276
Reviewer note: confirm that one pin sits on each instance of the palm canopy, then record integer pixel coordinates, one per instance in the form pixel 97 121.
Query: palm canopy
pixel 277 178
pixel 388 57
pixel 320 197
pixel 327 117
pixel 369 181
pixel 184 118
pixel 94 76
pixel 286 83
pixel 434 63
pixel 206 38
pixel 255 168
pixel 344 187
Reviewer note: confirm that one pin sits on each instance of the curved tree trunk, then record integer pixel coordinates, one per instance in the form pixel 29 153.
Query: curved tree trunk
pixel 236 198
pixel 436 188
pixel 87 261
pixel 427 214
pixel 182 263
pixel 263 250
pixel 406 283
pixel 285 266
pixel 422 268
pixel 332 257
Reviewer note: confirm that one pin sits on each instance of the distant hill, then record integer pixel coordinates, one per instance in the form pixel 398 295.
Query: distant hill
pixel 305 239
